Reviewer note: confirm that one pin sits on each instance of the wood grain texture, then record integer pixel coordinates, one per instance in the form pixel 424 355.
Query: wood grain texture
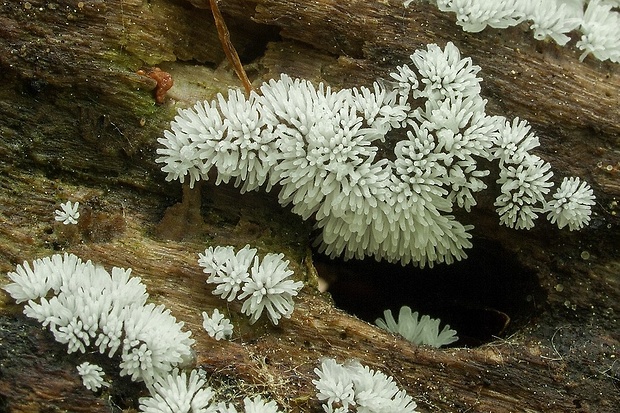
pixel 77 122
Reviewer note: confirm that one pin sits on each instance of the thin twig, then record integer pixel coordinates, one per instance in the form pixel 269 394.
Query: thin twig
pixel 229 49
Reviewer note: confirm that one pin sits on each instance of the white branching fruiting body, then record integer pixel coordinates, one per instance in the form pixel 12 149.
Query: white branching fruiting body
pixel 90 308
pixel 264 285
pixel 180 393
pixel 600 30
pixel 229 271
pixel 571 204
pixel 352 387
pixel 68 213
pixel 92 376
pixel 216 325
pixel 418 330
pixel 319 147
pixel 597 20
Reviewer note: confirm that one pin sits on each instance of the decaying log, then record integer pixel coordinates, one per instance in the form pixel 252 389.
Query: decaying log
pixel 78 122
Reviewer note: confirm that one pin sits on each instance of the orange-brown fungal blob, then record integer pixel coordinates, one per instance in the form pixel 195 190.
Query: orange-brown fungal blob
pixel 163 79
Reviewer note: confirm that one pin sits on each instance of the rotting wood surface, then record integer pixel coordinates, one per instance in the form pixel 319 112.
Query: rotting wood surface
pixel 77 122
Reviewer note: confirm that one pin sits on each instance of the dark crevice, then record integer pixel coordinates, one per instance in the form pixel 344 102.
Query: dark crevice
pixel 485 296
pixel 249 49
